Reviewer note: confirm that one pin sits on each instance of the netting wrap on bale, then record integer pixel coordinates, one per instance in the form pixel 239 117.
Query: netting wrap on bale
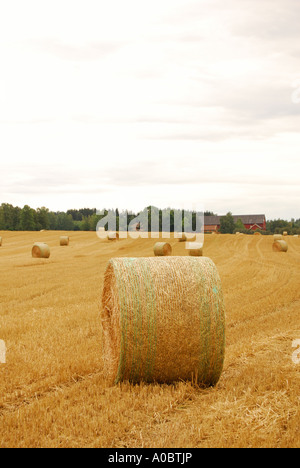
pixel 163 320
pixel 40 250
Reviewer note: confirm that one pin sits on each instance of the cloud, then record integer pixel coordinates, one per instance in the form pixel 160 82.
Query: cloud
pixel 80 52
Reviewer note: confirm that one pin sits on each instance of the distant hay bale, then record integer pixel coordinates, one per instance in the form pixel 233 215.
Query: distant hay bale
pixel 64 240
pixel 257 233
pixel 40 250
pixel 195 249
pixel 113 236
pixel 277 237
pixel 296 235
pixel 285 233
pixel 183 237
pixel 163 320
pixel 0 241
pixel 280 246
pixel 162 249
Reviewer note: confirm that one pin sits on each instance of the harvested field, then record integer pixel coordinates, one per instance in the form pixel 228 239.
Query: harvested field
pixel 52 387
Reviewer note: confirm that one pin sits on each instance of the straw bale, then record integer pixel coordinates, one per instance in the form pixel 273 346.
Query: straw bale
pixel 278 237
pixel 195 249
pixel 0 241
pixel 163 320
pixel 162 249
pixel 40 250
pixel 64 240
pixel 280 246
pixel 183 237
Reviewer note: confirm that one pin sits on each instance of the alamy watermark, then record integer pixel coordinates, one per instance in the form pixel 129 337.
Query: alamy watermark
pixel 296 353
pixel 154 223
pixel 2 352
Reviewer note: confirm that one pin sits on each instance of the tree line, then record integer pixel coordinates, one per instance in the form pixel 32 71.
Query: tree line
pixel 28 219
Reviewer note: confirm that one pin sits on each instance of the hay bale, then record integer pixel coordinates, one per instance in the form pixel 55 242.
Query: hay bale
pixel 296 235
pixel 64 241
pixel 40 250
pixel 183 237
pixel 285 233
pixel 113 236
pixel 257 233
pixel 162 249
pixel 0 241
pixel 195 249
pixel 163 320
pixel 280 246
pixel 277 237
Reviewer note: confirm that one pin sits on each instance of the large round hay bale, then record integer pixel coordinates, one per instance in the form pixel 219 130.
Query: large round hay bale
pixel 40 250
pixel 280 246
pixel 162 249
pixel 163 320
pixel 285 233
pixel 257 233
pixel 64 241
pixel 195 249
pixel 113 236
pixel 277 237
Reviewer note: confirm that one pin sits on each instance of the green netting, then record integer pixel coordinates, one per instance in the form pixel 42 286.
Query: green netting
pixel 171 319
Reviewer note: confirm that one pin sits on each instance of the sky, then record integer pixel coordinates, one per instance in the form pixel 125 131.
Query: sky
pixel 171 103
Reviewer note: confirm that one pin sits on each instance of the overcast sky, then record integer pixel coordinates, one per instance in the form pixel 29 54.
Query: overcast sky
pixel 168 102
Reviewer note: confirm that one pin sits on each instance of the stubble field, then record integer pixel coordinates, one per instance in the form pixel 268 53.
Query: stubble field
pixel 52 390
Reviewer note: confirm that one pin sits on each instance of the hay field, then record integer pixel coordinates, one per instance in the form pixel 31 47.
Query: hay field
pixel 52 390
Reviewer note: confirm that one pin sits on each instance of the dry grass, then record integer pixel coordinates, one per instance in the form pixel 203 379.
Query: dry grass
pixel 52 390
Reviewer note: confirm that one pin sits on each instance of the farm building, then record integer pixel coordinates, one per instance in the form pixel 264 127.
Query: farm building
pixel 253 222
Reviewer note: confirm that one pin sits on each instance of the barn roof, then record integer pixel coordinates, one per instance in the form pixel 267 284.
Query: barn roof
pixel 246 219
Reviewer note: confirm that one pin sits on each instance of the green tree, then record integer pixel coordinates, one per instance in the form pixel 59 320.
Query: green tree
pixel 64 222
pixel 85 224
pixel 239 226
pixel 27 221
pixel 42 218
pixel 227 224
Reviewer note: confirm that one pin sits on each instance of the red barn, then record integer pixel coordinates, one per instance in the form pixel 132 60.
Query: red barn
pixel 251 222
